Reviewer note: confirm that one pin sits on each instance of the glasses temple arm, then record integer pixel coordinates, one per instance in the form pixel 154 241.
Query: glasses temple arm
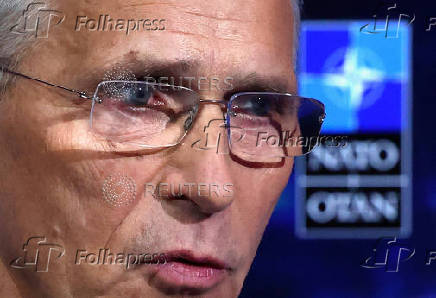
pixel 81 94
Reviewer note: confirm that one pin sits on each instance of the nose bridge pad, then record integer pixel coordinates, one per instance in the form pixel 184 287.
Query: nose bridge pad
pixel 227 127
pixel 190 120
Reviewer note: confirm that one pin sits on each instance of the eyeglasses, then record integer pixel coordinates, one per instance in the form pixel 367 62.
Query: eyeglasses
pixel 261 126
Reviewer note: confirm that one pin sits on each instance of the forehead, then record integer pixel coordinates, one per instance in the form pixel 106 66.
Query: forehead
pixel 221 36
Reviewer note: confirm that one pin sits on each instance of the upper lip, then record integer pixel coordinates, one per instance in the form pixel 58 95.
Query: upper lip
pixel 186 256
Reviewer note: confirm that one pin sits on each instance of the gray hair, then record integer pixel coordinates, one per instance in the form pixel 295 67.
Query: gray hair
pixel 12 46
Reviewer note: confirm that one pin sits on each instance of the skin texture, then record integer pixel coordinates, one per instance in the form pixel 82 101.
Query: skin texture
pixel 52 169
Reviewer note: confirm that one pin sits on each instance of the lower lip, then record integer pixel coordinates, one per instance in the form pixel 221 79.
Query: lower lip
pixel 182 275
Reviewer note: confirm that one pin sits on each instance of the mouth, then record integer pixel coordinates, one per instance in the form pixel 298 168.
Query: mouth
pixel 188 259
pixel 185 271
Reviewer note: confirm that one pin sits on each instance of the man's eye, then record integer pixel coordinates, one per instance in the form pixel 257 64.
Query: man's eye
pixel 147 98
pixel 257 106
pixel 139 97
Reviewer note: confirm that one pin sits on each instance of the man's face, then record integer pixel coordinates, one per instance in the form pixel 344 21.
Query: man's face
pixel 55 174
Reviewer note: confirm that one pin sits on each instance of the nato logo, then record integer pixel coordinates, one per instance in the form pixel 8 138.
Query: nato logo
pixel 364 81
pixel 361 78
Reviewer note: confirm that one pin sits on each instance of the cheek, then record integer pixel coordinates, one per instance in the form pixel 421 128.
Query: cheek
pixel 259 195
pixel 265 186
pixel 73 136
pixel 55 157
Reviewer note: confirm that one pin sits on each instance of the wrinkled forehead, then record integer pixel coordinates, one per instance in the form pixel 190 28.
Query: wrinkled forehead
pixel 217 37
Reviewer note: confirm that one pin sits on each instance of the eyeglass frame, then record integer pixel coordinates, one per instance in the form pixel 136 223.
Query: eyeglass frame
pixel 94 98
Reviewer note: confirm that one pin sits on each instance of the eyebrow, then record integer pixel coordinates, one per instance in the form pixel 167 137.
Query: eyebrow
pixel 259 83
pixel 139 68
pixel 153 67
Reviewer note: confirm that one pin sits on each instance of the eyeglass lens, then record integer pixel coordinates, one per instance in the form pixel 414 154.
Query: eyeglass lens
pixel 261 127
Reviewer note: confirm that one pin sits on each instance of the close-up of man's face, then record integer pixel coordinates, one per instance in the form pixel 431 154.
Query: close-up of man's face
pixel 227 148
pixel 59 175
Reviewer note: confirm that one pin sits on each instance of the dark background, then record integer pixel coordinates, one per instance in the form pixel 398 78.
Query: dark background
pixel 286 266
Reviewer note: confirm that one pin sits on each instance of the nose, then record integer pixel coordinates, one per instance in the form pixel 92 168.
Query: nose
pixel 202 163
